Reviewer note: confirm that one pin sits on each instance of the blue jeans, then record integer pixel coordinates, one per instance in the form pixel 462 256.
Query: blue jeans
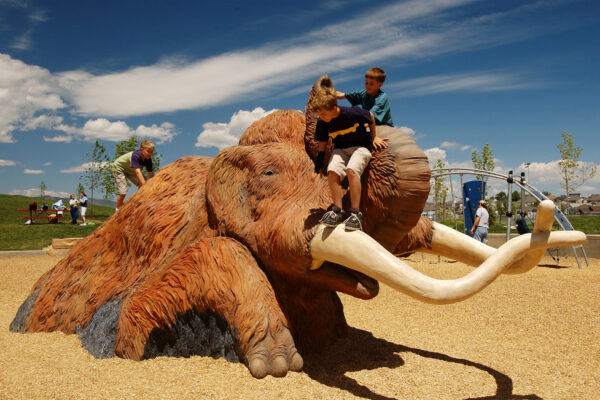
pixel 74 214
pixel 481 234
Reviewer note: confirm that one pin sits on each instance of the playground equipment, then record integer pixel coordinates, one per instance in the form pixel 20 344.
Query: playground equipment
pixel 520 182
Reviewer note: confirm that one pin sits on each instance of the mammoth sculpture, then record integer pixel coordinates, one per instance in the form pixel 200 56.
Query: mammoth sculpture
pixel 226 257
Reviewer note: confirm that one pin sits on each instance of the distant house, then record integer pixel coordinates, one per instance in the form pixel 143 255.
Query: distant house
pixel 429 211
pixel 573 198
pixel 593 199
pixel 587 209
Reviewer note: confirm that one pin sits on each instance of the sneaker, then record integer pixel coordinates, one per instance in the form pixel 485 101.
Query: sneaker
pixel 84 224
pixel 333 218
pixel 354 222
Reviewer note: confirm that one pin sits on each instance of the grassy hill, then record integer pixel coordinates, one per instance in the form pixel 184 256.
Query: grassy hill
pixel 18 236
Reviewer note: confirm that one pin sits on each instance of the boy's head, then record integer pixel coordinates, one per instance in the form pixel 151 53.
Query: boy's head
pixel 147 149
pixel 325 104
pixel 374 79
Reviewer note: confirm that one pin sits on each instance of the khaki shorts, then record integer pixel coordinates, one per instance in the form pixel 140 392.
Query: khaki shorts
pixel 121 181
pixel 354 158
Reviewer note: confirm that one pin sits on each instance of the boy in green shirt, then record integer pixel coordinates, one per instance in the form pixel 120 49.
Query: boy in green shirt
pixel 129 167
pixel 372 98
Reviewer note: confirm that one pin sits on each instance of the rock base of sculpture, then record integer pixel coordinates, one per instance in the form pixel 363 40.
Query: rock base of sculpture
pixel 195 334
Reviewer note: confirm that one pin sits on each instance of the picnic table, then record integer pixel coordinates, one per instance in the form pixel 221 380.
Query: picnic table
pixel 42 214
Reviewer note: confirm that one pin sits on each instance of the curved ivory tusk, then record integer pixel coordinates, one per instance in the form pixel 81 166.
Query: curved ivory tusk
pixel 447 242
pixel 358 251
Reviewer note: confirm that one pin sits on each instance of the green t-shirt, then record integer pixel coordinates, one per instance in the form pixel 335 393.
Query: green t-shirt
pixel 126 163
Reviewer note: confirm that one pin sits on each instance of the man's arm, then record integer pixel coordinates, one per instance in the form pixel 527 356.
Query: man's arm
pixel 475 224
pixel 378 143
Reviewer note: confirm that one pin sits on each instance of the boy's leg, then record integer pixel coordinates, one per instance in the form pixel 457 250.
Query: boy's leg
pixel 358 161
pixel 356 165
pixel 335 174
pixel 335 188
pixel 121 183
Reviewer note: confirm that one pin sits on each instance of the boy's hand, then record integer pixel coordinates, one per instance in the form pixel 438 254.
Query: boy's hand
pixel 380 143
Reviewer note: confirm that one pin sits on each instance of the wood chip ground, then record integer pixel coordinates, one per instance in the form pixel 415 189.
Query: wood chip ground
pixel 527 336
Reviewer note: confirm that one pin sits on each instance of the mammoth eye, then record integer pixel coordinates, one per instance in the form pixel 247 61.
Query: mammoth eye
pixel 269 172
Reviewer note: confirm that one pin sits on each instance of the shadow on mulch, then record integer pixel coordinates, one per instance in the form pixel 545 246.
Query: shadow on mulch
pixel 553 266
pixel 360 350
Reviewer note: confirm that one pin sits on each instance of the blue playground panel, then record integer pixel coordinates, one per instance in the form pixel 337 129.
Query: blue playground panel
pixel 472 192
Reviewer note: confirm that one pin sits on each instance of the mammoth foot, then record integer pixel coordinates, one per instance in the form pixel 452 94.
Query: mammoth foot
pixel 274 355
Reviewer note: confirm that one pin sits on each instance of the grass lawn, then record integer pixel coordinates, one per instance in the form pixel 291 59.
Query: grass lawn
pixel 18 236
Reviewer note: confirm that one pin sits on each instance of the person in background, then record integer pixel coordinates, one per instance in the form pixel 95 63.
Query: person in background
pixel 129 167
pixel 83 206
pixel 479 230
pixel 74 210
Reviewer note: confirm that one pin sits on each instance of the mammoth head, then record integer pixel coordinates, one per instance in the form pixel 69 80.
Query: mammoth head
pixel 268 197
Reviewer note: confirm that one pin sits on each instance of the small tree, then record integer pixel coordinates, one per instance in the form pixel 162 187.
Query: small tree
pixel 43 189
pixel 485 161
pixel 572 171
pixel 95 170
pixel 80 188
pixel 440 192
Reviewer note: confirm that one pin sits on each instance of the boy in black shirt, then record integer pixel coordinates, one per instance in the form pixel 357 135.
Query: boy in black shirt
pixel 352 151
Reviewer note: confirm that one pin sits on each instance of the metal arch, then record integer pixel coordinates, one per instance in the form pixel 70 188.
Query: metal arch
pixel 560 218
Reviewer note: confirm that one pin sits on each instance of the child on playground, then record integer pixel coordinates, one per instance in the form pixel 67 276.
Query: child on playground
pixel 129 167
pixel 372 98
pixel 352 152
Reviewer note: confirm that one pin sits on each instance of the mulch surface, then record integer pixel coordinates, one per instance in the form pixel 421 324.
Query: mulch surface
pixel 529 336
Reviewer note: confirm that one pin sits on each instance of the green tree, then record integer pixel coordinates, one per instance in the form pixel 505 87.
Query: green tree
pixel 516 196
pixel 485 161
pixel 43 189
pixel 573 172
pixel 125 146
pixel 80 188
pixel 440 192
pixel 95 170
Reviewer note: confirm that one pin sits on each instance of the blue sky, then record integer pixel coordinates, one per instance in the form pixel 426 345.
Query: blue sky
pixel 191 76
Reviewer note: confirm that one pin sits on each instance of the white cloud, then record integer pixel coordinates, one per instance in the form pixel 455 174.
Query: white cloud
pixel 469 82
pixel 173 84
pixel 33 171
pixel 24 91
pixel 47 164
pixel 104 129
pixel 434 154
pixel 42 121
pixel 82 167
pixel 36 192
pixel 7 163
pixel 221 135
pixel 59 139
pixel 449 145
pixel 466 147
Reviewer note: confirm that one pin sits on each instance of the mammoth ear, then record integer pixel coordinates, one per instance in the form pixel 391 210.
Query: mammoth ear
pixel 226 193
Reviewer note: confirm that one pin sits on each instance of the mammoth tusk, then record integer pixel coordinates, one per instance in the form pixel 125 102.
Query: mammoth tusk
pixel 450 243
pixel 358 251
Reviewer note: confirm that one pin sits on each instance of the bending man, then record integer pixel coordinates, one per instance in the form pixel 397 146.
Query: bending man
pixel 129 167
